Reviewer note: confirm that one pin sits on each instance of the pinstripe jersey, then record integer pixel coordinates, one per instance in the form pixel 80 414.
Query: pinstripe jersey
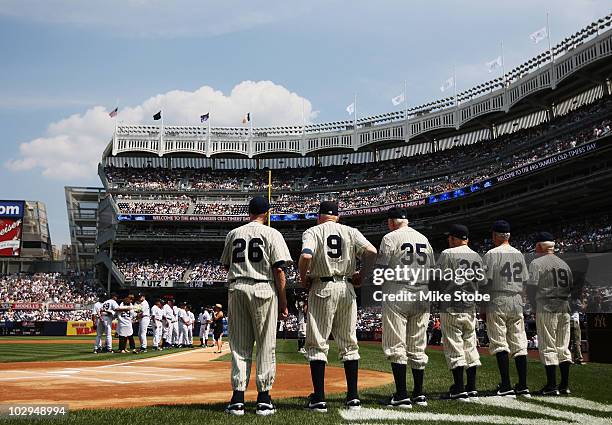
pixel 334 248
pixel 553 278
pixel 460 258
pixel 252 250
pixel 407 247
pixel 506 271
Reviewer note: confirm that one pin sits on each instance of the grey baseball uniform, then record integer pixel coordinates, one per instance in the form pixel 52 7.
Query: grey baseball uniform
pixel 108 313
pixel 97 319
pixel 458 317
pixel 251 251
pixel 332 305
pixel 405 323
pixel 553 278
pixel 506 274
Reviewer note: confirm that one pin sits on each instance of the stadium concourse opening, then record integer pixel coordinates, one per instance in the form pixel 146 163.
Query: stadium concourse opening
pixel 186 377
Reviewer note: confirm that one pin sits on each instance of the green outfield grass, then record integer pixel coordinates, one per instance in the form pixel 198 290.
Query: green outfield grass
pixel 592 382
pixel 49 352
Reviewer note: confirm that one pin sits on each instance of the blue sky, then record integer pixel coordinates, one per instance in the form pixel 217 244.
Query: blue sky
pixel 65 64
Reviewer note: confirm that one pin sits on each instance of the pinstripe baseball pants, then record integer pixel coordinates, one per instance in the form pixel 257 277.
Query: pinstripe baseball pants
pixel 553 337
pixel 252 317
pixel 459 339
pixel 506 332
pixel 404 329
pixel 332 309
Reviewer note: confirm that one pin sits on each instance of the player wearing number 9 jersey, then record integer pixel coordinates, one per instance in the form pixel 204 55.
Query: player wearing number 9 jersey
pixel 552 278
pixel 405 321
pixel 507 274
pixel 327 269
pixel 255 256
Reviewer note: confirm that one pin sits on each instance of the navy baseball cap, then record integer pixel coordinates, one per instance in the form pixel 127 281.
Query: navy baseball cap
pixel 395 212
pixel 544 237
pixel 458 231
pixel 258 205
pixel 501 226
pixel 328 208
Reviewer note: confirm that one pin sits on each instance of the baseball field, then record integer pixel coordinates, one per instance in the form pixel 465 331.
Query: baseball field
pixel 192 386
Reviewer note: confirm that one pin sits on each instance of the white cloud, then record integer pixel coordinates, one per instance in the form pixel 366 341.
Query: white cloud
pixel 72 147
pixel 155 18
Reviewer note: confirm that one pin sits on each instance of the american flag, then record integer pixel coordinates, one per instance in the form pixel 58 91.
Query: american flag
pixel 114 112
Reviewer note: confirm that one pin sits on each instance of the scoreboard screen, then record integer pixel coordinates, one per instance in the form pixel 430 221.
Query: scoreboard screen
pixel 11 223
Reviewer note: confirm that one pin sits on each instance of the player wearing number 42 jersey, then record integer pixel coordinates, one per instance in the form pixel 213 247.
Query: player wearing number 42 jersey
pixel 507 274
pixel 255 256
pixel 553 279
pixel 327 269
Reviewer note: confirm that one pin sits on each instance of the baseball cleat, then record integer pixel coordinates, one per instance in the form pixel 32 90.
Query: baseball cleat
pixel 353 404
pixel 315 406
pixel 505 392
pixel 454 394
pixel 564 391
pixel 265 409
pixel 236 409
pixel 401 402
pixel 419 400
pixel 473 395
pixel 524 392
pixel 549 391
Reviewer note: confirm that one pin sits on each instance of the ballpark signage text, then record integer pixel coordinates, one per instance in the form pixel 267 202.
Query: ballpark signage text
pixel 11 221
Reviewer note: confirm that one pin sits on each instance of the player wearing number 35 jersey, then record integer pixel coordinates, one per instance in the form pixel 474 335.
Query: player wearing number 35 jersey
pixel 507 274
pixel 255 256
pixel 327 269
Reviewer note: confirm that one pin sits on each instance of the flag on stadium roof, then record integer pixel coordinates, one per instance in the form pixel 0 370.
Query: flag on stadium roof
pixel 539 35
pixel 157 116
pixel 448 83
pixel 114 112
pixel 399 99
pixel 246 118
pixel 204 118
pixel 495 63
pixel 351 108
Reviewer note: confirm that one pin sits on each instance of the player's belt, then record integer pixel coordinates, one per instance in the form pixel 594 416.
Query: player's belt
pixel 246 278
pixel 326 279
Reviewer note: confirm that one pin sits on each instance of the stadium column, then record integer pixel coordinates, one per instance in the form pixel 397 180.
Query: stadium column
pixel 110 268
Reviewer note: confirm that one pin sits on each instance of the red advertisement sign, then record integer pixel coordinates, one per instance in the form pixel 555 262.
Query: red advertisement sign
pixel 10 237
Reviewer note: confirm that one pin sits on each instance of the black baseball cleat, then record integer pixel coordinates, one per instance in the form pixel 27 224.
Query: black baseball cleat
pixel 315 405
pixel 236 409
pixel 505 391
pixel 454 394
pixel 472 394
pixel 401 402
pixel 419 400
pixel 564 391
pixel 523 392
pixel 265 409
pixel 549 391
pixel 353 404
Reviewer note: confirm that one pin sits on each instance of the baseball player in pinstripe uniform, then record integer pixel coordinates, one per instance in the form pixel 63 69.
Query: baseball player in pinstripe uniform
pixel 255 256
pixel 98 324
pixel 168 327
pixel 553 279
pixel 144 317
pixel 176 341
pixel 405 323
pixel 458 316
pixel 157 314
pixel 506 274
pixel 327 269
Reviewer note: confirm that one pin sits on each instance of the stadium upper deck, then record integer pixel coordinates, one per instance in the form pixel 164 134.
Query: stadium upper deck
pixel 541 84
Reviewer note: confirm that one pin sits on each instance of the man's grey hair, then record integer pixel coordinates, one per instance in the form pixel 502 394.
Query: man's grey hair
pixel 504 236
pixel 400 221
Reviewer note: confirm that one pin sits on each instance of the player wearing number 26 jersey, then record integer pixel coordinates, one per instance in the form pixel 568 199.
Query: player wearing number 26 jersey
pixel 552 278
pixel 507 274
pixel 327 269
pixel 255 256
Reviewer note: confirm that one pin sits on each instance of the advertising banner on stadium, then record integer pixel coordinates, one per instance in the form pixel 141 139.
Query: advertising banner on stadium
pixel 11 223
pixel 61 306
pixel 154 283
pixel 26 306
pixel 80 328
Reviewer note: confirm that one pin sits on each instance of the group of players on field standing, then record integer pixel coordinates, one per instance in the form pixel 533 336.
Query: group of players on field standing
pixel 256 255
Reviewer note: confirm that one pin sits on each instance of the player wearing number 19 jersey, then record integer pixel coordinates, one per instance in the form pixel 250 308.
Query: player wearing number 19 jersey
pixel 507 274
pixel 552 278
pixel 255 256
